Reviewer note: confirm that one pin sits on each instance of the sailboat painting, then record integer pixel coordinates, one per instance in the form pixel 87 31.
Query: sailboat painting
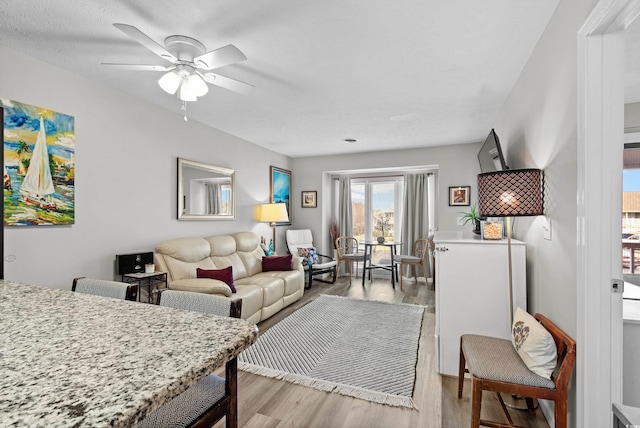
pixel 39 166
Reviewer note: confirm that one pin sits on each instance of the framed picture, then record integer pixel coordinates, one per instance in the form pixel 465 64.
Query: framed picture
pixel 39 165
pixel 281 190
pixel 459 196
pixel 309 199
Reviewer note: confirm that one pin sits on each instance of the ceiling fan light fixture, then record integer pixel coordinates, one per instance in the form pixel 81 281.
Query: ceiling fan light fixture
pixel 170 82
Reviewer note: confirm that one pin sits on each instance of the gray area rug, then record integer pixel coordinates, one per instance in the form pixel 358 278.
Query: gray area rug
pixel 363 349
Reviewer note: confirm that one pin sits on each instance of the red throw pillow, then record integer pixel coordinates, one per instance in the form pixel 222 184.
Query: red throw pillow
pixel 277 263
pixel 225 275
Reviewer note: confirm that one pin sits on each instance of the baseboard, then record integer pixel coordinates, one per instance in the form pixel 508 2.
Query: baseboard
pixel 547 410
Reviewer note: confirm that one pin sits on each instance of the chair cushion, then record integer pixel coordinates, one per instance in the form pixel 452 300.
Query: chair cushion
pixel 534 344
pixel 406 259
pixel 276 263
pixel 325 265
pixel 309 254
pixel 225 275
pixel 356 257
pixel 101 287
pixel 495 359
pixel 184 409
pixel 299 239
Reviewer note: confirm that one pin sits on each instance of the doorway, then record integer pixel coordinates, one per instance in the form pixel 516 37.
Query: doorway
pixel 600 125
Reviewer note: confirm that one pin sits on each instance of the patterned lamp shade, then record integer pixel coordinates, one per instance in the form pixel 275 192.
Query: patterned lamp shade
pixel 510 193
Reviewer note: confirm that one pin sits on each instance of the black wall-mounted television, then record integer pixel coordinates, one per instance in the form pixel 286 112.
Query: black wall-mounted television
pixel 490 155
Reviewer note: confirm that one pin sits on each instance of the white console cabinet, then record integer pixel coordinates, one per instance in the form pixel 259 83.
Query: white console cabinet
pixel 472 291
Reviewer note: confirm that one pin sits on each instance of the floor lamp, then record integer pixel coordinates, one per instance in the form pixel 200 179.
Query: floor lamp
pixel 510 193
pixel 272 214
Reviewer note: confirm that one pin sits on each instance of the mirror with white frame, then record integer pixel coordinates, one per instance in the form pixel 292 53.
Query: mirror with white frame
pixel 205 192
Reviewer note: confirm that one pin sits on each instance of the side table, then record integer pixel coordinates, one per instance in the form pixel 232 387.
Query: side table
pixel 368 256
pixel 149 280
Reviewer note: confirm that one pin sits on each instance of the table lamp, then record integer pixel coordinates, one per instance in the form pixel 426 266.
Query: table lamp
pixel 510 193
pixel 272 214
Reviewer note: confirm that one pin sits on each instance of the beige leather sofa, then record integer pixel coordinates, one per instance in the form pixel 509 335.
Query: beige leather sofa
pixel 263 293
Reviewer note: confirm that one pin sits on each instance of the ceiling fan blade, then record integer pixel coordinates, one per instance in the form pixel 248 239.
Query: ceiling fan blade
pixel 145 41
pixel 219 57
pixel 227 83
pixel 139 67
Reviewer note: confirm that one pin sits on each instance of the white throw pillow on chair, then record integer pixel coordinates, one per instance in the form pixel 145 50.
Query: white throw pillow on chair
pixel 534 344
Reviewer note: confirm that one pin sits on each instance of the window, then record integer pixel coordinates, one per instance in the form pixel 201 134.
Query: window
pixel 631 210
pixel 377 211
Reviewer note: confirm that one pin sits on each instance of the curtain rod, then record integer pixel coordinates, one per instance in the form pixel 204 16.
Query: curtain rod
pixel 374 176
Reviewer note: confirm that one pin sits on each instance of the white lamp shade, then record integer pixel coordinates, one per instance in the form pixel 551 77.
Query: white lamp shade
pixel 271 213
pixel 170 82
pixel 186 92
pixel 198 85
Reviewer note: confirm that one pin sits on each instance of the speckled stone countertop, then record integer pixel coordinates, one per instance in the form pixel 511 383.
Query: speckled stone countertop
pixel 71 359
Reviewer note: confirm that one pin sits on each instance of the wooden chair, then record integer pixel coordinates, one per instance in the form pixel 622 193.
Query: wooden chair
pixel 212 398
pixel 347 251
pixel 417 258
pixel 494 365
pixel 105 288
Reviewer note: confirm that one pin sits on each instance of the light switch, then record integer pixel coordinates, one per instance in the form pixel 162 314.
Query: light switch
pixel 459 221
pixel 546 227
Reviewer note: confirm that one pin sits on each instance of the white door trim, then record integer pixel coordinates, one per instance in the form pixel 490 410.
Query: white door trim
pixel 600 144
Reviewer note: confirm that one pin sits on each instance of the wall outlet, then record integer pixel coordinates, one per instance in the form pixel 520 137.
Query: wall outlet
pixel 459 220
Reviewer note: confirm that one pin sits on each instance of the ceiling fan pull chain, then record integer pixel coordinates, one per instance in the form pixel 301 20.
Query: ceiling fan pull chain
pixel 184 108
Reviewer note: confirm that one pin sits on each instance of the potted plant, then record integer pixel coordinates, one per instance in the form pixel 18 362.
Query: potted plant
pixel 474 216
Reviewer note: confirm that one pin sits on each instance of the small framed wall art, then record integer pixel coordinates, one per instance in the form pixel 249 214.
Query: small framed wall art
pixel 459 196
pixel 310 199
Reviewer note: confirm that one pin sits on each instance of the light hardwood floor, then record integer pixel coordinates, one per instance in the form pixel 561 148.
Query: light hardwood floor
pixel 271 403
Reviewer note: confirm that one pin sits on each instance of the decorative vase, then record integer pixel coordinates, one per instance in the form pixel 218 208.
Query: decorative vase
pixel 476 228
pixel 380 239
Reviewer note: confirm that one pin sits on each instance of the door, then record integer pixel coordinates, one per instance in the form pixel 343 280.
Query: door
pixel 599 181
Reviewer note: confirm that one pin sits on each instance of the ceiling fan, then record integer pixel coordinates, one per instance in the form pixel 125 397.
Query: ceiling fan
pixel 190 64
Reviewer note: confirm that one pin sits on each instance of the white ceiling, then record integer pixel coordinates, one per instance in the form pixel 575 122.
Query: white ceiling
pixel 389 73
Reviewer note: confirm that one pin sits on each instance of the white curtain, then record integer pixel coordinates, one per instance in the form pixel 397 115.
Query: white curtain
pixel 214 198
pixel 415 215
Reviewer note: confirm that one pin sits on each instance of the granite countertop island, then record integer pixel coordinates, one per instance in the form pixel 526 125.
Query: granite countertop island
pixel 71 359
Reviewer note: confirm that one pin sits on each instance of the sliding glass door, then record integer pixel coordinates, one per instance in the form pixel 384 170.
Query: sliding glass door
pixel 377 211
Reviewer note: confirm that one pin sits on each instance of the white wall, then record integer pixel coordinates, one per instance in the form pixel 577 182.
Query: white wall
pixel 632 117
pixel 126 189
pixel 538 128
pixel 631 371
pixel 457 166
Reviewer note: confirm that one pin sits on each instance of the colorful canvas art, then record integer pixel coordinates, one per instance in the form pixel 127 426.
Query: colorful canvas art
pixel 281 189
pixel 39 166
